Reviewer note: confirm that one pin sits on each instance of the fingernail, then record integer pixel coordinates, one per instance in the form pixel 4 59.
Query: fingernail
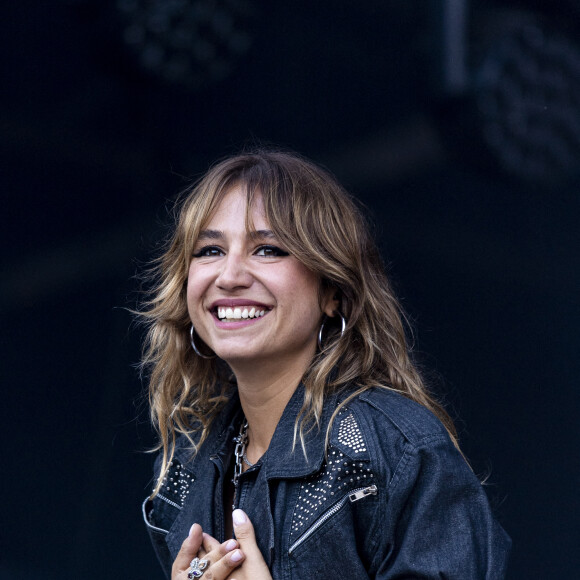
pixel 191 530
pixel 236 556
pixel 239 517
pixel 231 545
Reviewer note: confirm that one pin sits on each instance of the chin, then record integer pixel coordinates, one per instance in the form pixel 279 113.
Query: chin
pixel 229 349
pixel 239 356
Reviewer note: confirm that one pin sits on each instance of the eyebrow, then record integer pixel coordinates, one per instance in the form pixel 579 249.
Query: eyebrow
pixel 261 234
pixel 219 235
pixel 210 235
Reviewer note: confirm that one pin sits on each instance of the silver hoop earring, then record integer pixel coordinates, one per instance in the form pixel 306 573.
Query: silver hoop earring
pixel 192 340
pixel 343 321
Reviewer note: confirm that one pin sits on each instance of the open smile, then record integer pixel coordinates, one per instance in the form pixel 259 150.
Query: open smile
pixel 227 314
pixel 238 311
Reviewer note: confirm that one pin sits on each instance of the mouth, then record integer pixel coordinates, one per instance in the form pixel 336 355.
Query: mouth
pixel 238 313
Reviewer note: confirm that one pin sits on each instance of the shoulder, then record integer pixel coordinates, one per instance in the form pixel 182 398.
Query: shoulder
pixel 400 440
pixel 390 413
pixel 388 430
pixel 394 434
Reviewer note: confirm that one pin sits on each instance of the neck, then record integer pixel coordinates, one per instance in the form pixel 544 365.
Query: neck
pixel 265 390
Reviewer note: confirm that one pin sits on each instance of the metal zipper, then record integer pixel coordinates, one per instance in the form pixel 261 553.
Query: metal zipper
pixel 353 496
pixel 170 502
pixel 360 493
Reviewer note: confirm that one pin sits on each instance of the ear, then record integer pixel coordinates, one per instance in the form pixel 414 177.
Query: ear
pixel 330 301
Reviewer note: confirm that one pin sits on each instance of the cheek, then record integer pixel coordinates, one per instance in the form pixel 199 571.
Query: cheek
pixel 303 288
pixel 310 285
pixel 190 301
pixel 194 291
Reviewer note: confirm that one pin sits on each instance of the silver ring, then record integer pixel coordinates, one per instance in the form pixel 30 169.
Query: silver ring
pixel 196 568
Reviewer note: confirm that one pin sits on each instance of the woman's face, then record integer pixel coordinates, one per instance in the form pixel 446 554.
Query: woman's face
pixel 248 299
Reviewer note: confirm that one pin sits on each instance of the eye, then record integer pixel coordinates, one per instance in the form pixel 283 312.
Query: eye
pixel 208 252
pixel 270 252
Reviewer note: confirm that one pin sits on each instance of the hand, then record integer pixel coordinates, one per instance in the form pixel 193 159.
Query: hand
pixel 221 558
pixel 254 567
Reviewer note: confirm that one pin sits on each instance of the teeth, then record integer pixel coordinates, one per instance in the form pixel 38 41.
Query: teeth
pixel 239 313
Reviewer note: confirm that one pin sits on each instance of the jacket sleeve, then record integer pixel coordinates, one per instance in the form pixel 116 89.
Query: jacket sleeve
pixel 441 522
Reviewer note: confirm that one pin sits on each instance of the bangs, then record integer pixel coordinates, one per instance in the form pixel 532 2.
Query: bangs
pixel 257 181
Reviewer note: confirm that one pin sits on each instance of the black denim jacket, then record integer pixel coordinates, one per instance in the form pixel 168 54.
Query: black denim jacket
pixel 392 498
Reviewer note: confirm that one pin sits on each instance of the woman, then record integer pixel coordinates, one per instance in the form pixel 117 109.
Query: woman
pixel 297 437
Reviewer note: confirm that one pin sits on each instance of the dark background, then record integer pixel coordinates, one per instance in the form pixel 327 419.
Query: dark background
pixel 457 124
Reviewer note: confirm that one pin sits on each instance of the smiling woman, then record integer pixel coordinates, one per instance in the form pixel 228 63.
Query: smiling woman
pixel 296 435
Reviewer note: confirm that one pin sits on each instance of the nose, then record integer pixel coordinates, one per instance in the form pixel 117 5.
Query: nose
pixel 233 273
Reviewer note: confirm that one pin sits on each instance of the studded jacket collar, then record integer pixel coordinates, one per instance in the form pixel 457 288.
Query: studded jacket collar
pixel 389 497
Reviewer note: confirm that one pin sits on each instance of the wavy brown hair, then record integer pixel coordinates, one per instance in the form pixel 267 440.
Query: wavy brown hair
pixel 318 222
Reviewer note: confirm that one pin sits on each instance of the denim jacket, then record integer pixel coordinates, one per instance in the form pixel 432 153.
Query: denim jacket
pixel 391 497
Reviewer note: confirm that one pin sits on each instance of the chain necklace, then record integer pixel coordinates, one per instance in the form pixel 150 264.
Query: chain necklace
pixel 240 454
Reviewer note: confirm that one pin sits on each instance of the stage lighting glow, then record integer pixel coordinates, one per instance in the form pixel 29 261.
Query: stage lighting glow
pixel 189 42
pixel 528 97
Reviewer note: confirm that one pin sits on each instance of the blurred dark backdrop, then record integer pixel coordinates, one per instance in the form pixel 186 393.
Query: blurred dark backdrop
pixel 458 125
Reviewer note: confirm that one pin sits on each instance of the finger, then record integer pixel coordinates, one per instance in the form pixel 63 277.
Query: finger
pixel 188 551
pixel 209 543
pixel 214 553
pixel 212 549
pixel 244 531
pixel 255 565
pixel 222 568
